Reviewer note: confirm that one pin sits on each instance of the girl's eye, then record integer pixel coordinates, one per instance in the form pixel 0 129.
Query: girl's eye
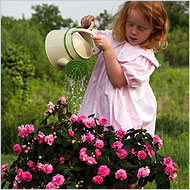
pixel 130 24
pixel 141 28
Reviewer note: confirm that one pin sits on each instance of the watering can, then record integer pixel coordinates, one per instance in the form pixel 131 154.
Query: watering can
pixel 67 50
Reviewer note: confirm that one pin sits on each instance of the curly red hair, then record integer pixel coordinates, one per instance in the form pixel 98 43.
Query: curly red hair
pixel 154 13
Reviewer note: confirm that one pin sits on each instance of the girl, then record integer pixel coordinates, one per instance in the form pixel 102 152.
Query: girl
pixel 119 86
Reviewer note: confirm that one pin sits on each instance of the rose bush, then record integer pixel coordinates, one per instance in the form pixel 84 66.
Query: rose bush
pixel 70 151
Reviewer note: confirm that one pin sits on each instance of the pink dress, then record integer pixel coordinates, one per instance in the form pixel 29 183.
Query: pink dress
pixel 132 105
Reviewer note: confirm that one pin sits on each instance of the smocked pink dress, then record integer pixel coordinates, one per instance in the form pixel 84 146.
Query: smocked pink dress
pixel 132 105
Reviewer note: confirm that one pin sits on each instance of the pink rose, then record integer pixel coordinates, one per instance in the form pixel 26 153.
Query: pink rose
pixel 157 139
pixel 90 161
pixel 17 148
pixel 27 176
pixel 30 163
pixel 149 149
pixel 21 131
pixel 19 174
pixel 47 168
pixel 49 139
pixel 4 166
pixel 2 175
pixel 90 137
pixel 74 118
pixel 120 133
pixel 81 118
pixel 141 155
pixel 71 133
pixel 50 107
pixel 169 170
pixel 97 179
pixel 15 184
pixel 98 153
pixel 121 174
pixel 89 122
pixel 99 143
pixel 117 145
pixel 132 151
pixel 40 137
pixel 103 120
pixel 103 170
pixel 58 179
pixel 40 166
pixel 63 100
pixel 168 161
pixel 50 185
pixel 29 128
pixel 62 160
pixel 83 138
pixel 143 172
pixel 173 176
pixel 83 156
pixel 122 154
pixel 83 150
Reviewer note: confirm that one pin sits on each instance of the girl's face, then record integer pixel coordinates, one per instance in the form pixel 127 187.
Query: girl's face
pixel 137 30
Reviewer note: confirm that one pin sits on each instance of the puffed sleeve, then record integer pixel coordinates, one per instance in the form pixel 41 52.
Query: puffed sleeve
pixel 137 71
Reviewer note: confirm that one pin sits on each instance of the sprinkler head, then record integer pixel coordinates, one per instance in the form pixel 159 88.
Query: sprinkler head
pixel 76 69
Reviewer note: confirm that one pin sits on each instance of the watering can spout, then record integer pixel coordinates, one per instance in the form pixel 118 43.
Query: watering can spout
pixel 62 62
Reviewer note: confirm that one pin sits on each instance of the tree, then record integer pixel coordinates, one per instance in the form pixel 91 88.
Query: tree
pixel 49 18
pixel 104 20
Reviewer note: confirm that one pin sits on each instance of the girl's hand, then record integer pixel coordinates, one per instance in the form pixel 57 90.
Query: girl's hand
pixel 86 21
pixel 102 42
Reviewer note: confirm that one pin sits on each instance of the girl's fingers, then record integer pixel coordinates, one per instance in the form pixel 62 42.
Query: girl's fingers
pixel 86 21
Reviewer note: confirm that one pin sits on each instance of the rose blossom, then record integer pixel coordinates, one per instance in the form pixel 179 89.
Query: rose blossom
pixel 74 118
pixel 103 170
pixel 29 128
pixel 15 184
pixel 120 133
pixel 117 145
pixel 40 137
pixel 17 148
pixel 27 176
pixel 168 161
pixel 50 107
pixel 4 166
pixel 49 139
pixel 19 174
pixel 149 149
pixel 121 174
pixel 40 166
pixel 21 131
pixel 122 154
pixel 143 172
pixel 83 156
pixel 103 120
pixel 50 185
pixel 169 170
pixel 99 143
pixel 141 155
pixel 62 160
pixel 48 168
pixel 58 179
pixel 83 138
pixel 89 122
pixel 90 161
pixel 30 163
pixel 71 132
pixel 63 100
pixel 97 179
pixel 81 118
pixel 157 139
pixel 173 176
pixel 98 153
pixel 90 137
pixel 132 151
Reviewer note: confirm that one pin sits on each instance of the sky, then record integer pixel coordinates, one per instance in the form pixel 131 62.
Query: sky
pixel 74 9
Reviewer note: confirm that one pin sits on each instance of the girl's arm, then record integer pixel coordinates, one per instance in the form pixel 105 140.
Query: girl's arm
pixel 114 71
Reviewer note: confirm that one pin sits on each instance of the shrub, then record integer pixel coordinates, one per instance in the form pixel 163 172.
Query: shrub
pixel 70 151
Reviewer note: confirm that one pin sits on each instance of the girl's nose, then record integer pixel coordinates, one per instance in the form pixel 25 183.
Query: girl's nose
pixel 134 30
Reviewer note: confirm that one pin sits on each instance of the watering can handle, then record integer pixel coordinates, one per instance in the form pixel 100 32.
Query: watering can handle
pixel 88 32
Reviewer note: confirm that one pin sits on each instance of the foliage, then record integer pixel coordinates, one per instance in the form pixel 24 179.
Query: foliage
pixel 17 65
pixel 104 20
pixel 69 146
pixel 49 18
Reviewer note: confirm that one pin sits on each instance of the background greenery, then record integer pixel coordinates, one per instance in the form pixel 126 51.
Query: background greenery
pixel 29 82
